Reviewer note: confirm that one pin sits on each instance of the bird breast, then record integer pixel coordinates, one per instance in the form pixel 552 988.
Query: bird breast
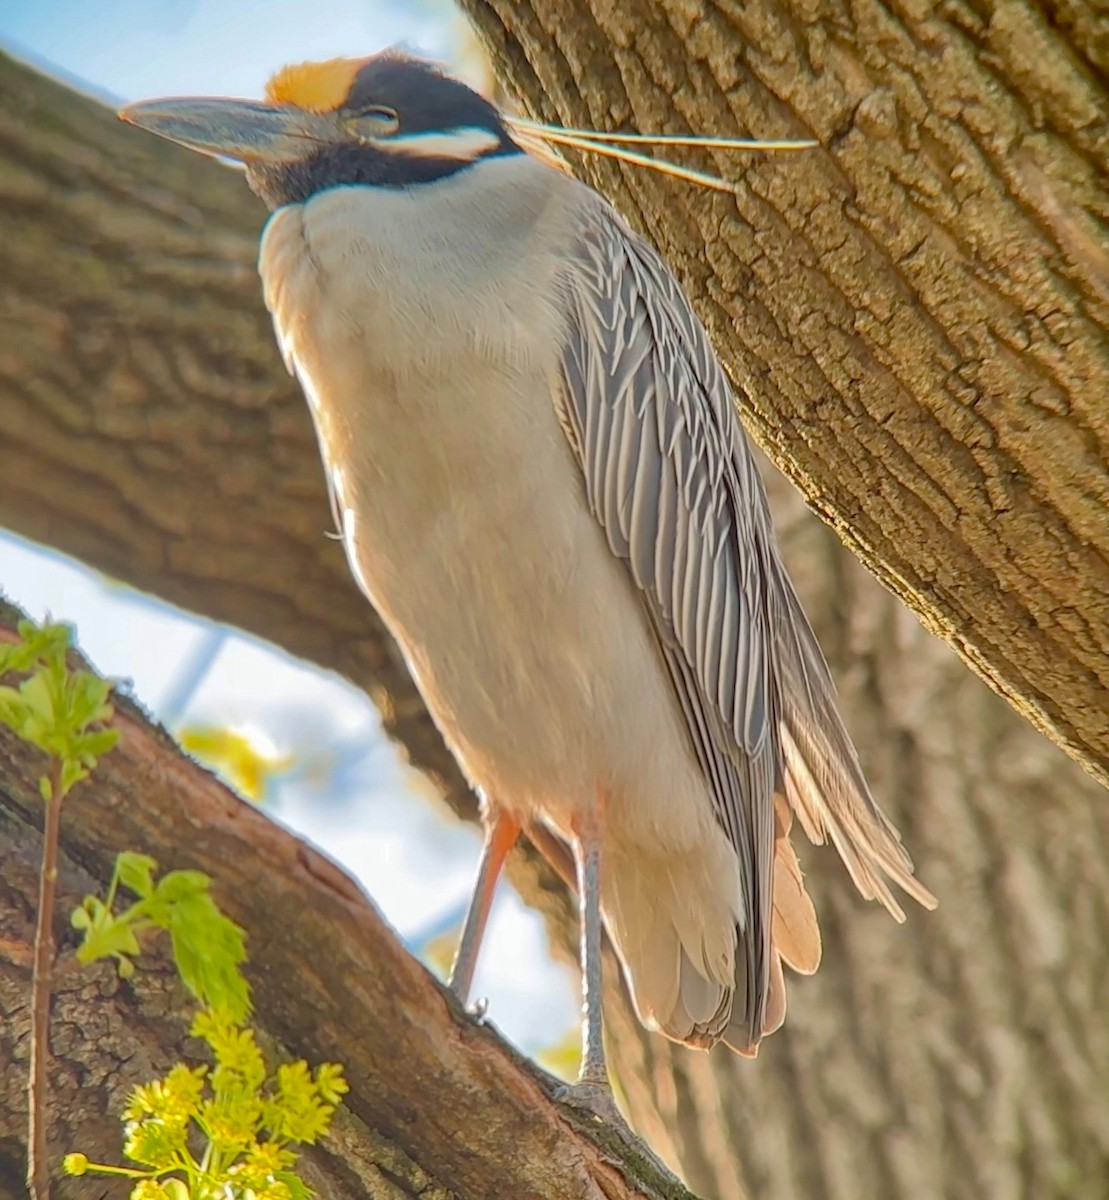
pixel 425 326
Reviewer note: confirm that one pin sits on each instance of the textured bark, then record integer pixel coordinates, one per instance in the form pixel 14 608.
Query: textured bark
pixel 143 412
pixel 918 311
pixel 439 1105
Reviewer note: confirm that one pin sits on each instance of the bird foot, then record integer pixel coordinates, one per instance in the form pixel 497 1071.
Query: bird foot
pixel 595 1097
pixel 477 1010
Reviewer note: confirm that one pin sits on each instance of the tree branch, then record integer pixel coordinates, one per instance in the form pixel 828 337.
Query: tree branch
pixel 437 1100
pixel 44 952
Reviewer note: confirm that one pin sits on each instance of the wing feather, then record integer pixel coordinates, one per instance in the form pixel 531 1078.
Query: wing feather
pixel 670 476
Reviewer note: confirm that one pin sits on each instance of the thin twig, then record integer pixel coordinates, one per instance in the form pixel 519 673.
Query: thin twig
pixel 38 1165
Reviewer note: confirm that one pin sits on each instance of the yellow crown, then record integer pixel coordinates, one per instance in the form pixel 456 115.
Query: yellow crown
pixel 316 87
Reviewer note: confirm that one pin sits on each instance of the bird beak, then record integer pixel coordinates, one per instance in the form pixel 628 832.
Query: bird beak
pixel 247 130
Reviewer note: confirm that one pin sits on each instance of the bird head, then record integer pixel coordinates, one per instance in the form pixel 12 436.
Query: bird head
pixel 390 120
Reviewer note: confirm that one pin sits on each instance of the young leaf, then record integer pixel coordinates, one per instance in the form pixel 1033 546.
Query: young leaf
pixel 136 872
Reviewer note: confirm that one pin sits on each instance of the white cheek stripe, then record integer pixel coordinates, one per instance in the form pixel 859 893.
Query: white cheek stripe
pixel 465 143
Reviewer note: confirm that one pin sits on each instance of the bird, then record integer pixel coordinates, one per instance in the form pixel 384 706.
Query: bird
pixel 543 487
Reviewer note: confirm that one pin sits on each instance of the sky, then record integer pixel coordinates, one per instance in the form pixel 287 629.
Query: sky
pixel 132 49
pixel 344 788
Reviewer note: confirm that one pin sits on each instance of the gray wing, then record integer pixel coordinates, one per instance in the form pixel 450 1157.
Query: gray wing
pixel 670 476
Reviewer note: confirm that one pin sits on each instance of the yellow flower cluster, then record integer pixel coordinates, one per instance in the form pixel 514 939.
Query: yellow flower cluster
pixel 249 1123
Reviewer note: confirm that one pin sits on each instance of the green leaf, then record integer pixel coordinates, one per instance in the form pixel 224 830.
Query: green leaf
pixel 53 708
pixel 136 872
pixel 180 885
pixel 35 694
pixel 87 697
pixel 91 913
pixel 99 742
pixel 297 1187
pixel 330 1082
pixel 114 938
pixel 72 772
pixel 106 935
pixel 207 946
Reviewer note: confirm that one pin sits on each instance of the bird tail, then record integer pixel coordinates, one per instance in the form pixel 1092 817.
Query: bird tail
pixel 824 782
pixel 682 942
pixel 794 937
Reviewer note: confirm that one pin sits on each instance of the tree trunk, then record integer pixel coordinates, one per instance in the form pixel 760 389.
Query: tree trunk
pixel 144 416
pixel 917 312
pixel 439 1104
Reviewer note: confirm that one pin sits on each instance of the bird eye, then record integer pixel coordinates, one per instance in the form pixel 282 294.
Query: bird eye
pixel 371 124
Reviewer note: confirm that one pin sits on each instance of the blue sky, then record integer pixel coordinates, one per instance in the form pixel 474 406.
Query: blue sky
pixel 130 49
pixel 347 793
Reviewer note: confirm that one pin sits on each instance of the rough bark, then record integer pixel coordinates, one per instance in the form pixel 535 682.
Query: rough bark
pixel 142 414
pixel 917 311
pixel 439 1104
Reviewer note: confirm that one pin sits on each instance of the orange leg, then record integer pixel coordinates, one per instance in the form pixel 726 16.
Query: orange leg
pixel 500 836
